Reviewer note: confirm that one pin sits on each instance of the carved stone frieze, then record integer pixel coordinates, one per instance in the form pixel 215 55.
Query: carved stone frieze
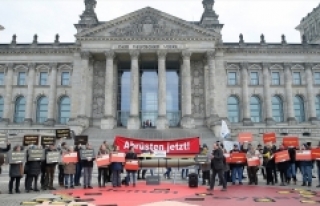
pixel 99 71
pixel 149 25
pixel 198 100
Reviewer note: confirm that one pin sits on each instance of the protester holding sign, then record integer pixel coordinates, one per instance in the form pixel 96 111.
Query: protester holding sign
pixel 116 167
pixel 318 165
pixel 269 163
pixel 282 167
pixel 236 168
pixel 129 157
pixel 87 168
pixel 254 155
pixel 69 170
pixel 32 170
pixel 291 173
pixel 77 176
pixel 63 147
pixel 205 167
pixel 50 170
pixel 4 151
pixel 15 172
pixel 103 171
pixel 306 168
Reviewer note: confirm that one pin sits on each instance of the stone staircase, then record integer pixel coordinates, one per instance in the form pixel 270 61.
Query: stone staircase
pixel 206 135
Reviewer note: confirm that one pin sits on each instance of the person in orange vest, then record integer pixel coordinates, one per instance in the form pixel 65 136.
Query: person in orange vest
pixel 318 165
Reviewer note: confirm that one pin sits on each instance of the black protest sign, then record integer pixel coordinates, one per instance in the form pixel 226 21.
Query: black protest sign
pixel 3 140
pixel 30 140
pixel 81 140
pixel 86 153
pixel 36 154
pixel 63 133
pixel 53 157
pixel 201 158
pixel 48 140
pixel 17 157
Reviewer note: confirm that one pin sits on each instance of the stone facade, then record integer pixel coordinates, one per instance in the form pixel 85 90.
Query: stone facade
pixel 207 65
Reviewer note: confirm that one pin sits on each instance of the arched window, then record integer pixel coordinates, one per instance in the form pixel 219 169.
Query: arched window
pixel 277 109
pixel 42 109
pixel 64 110
pixel 299 109
pixel 1 107
pixel 255 109
pixel 233 109
pixel 20 109
pixel 318 106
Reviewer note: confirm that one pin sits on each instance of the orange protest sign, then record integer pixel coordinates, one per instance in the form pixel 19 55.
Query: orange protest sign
pixel 315 153
pixel 304 155
pixel 70 158
pixel 117 157
pixel 104 160
pixel 132 165
pixel 269 137
pixel 228 157
pixel 282 156
pixel 245 137
pixel 291 141
pixel 253 161
pixel 238 158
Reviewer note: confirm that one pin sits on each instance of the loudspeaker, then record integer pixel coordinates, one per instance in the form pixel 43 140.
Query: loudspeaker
pixel 193 180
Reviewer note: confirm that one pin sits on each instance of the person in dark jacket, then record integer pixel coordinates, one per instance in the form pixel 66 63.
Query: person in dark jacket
pixel 63 147
pixel 77 176
pixel 131 156
pixel 217 167
pixel 15 173
pixel 50 170
pixel 283 168
pixel 306 168
pixel 291 174
pixel 318 166
pixel 69 170
pixel 87 169
pixel 116 168
pixel 4 151
pixel 269 163
pixel 33 170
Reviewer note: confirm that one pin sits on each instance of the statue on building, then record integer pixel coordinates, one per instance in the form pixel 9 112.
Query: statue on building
pixel 90 5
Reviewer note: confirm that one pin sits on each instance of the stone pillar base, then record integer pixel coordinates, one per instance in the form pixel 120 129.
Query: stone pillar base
pixel 247 122
pixel 50 122
pixel 28 122
pixel 162 122
pixel 292 121
pixel 4 122
pixel 314 120
pixel 187 122
pixel 134 122
pixel 108 123
pixel 270 121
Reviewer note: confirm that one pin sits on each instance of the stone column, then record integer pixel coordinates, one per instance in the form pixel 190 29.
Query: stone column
pixel 162 121
pixel 213 119
pixel 115 89
pixel 245 97
pixel 108 122
pixel 207 91
pixel 7 111
pixel 187 121
pixel 29 103
pixel 85 58
pixel 310 95
pixel 288 87
pixel 134 118
pixel 266 92
pixel 52 96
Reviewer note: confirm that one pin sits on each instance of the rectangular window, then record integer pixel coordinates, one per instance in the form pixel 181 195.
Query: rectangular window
pixel 1 78
pixel 22 78
pixel 317 78
pixel 275 78
pixel 254 78
pixel 43 78
pixel 65 78
pixel 232 78
pixel 296 78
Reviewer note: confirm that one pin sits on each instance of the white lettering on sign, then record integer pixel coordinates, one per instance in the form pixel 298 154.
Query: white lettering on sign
pixel 149 46
pixel 159 147
pixel 159 154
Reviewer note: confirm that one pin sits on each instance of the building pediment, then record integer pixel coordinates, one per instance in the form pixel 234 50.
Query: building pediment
pixel 146 23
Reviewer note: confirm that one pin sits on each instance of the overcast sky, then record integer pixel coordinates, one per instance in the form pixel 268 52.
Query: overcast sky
pixel 250 17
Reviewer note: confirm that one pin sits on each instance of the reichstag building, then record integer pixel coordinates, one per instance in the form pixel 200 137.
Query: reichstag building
pixel 151 69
